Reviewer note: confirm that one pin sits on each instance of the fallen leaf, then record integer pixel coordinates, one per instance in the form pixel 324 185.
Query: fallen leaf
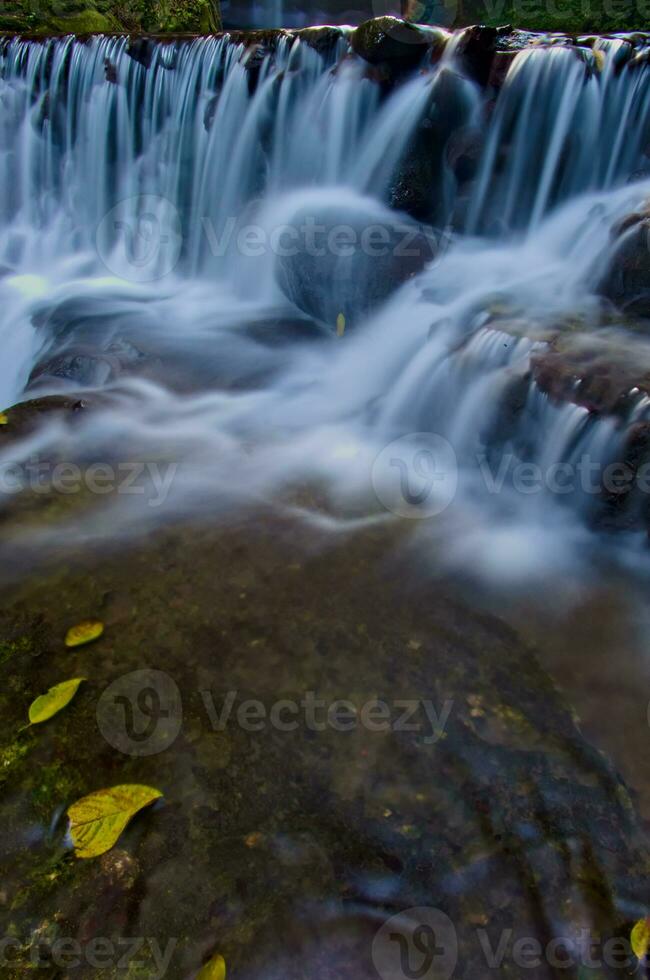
pixel 599 59
pixel 4 418
pixel 97 820
pixel 85 632
pixel 214 969
pixel 340 325
pixel 640 938
pixel 50 704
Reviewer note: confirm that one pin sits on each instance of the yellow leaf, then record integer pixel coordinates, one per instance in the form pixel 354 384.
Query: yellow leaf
pixel 214 969
pixel 640 938
pixel 4 418
pixel 84 632
pixel 97 820
pixel 340 325
pixel 50 704
pixel 599 59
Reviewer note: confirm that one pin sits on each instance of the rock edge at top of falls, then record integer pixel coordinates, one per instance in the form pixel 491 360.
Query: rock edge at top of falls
pixel 391 46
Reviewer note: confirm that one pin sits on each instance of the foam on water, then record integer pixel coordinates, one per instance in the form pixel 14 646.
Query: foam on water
pixel 121 202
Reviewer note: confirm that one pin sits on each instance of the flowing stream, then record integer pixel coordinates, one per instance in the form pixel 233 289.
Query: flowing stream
pixel 143 204
pixel 277 282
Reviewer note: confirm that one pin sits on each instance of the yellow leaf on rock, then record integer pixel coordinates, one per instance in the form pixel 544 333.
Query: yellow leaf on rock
pixel 214 969
pixel 4 418
pixel 85 632
pixel 640 938
pixel 599 59
pixel 49 704
pixel 97 820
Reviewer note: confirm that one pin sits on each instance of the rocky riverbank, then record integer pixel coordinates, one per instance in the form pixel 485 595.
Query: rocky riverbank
pixel 284 848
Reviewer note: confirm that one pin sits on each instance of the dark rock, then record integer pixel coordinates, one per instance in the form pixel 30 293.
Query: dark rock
pixel 141 49
pixel 110 71
pixel 639 60
pixel 321 39
pixel 476 50
pixel 463 152
pixel 210 110
pixel 86 365
pixel 26 416
pixel 501 64
pixel 79 365
pixel 361 256
pixel 253 60
pixel 624 498
pixel 503 424
pixel 626 280
pixel 388 39
pixel 440 143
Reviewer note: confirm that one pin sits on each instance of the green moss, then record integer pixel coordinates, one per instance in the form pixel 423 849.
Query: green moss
pixel 564 16
pixel 53 785
pixel 106 16
pixel 15 648
pixel 86 22
pixel 12 755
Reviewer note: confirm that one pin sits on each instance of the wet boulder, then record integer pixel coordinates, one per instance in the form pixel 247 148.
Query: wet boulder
pixel 476 50
pixel 347 258
pixel 25 417
pixel 321 39
pixel 88 366
pixel 441 154
pixel 390 40
pixel 626 279
pixel 78 365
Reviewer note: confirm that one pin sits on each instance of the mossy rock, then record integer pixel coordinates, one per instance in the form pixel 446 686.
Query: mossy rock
pixel 390 40
pixel 106 16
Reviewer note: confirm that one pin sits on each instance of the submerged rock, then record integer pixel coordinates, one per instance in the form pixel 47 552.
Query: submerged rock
pixel 24 417
pixel 308 832
pixel 626 280
pixel 349 258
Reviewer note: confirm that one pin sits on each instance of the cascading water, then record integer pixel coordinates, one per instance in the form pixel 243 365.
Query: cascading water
pixel 342 332
pixel 147 201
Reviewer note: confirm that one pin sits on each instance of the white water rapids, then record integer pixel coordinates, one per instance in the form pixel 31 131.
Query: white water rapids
pixel 142 212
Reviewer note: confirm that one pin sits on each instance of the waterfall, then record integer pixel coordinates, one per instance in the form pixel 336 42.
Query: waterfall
pixel 144 195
